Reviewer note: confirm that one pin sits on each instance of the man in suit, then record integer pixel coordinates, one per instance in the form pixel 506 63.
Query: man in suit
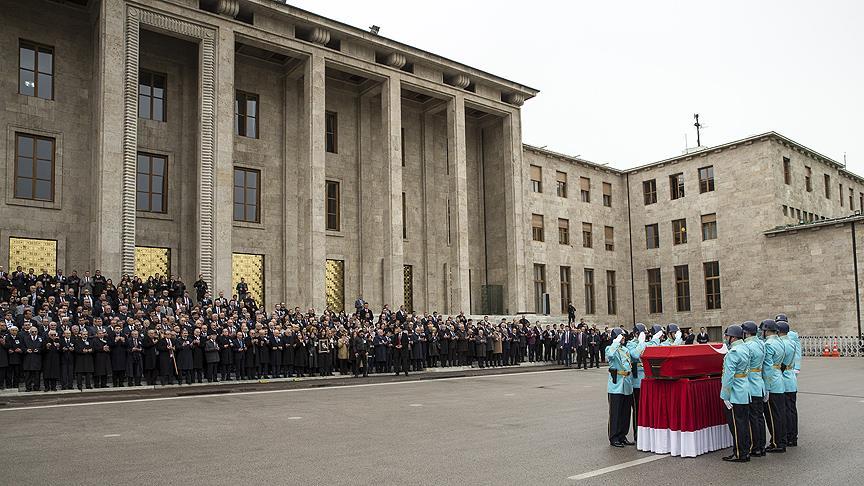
pixel 565 345
pixel 32 365
pixel 242 289
pixel 571 313
pixel 702 337
pixel 581 349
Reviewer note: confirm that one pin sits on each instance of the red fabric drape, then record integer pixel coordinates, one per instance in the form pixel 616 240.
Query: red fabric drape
pixel 684 405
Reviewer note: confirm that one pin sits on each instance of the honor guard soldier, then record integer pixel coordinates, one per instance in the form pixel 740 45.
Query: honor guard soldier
pixel 636 346
pixel 619 388
pixel 772 375
pixel 790 380
pixel 735 393
pixel 673 336
pixel 757 388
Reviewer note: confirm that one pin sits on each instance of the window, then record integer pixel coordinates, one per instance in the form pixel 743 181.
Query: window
pixel 536 179
pixel 787 171
pixel 676 185
pixel 609 237
pixel 151 96
pixel 585 189
pixel 565 288
pixel 785 213
pixel 404 218
pixel 246 114
pixel 827 186
pixel 861 201
pixel 682 288
pixel 561 180
pixel 563 231
pixel 331 132
pixel 448 222
pixel 35 70
pixel 655 291
pixel 679 231
pixel 587 240
pixel 709 225
pixel 34 167
pixel 247 195
pixel 607 194
pixel 706 179
pixel 807 182
pixel 840 194
pixel 851 199
pixel 589 291
pixel 712 285
pixel 652 236
pixel 537 227
pixel 151 183
pixel 649 189
pixel 539 287
pixel 402 146
pixel 334 216
pixel 611 293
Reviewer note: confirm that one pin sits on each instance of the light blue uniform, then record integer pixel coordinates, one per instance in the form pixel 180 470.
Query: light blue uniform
pixel 754 374
pixel 618 358
pixel 775 352
pixel 671 341
pixel 793 336
pixel 790 379
pixel 736 364
pixel 636 349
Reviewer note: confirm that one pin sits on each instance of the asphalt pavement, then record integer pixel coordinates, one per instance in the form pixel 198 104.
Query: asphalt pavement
pixel 537 427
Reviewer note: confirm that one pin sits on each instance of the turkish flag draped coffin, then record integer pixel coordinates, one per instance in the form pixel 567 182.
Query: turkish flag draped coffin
pixel 683 361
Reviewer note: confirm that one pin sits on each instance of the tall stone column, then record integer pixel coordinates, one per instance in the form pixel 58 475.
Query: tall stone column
pixel 110 86
pixel 130 141
pixel 312 188
pixel 516 257
pixel 460 291
pixel 217 198
pixel 391 115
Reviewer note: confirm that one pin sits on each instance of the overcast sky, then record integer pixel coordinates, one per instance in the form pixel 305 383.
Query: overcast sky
pixel 620 81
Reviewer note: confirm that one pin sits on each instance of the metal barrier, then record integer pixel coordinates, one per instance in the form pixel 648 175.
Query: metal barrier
pixel 847 346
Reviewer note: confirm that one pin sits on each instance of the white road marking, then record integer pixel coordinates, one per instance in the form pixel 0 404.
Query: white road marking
pixel 509 394
pixel 268 392
pixel 416 405
pixel 294 418
pixel 111 435
pixel 618 467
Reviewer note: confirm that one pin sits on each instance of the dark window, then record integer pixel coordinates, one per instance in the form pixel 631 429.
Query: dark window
pixel 709 225
pixel 649 189
pixel 609 237
pixel 334 219
pixel 712 285
pixel 246 114
pixel 655 291
pixel 563 231
pixel 611 293
pixel 607 194
pixel 787 171
pixel 808 183
pixel 34 167
pixel 652 236
pixel 585 189
pixel 565 288
pixel 682 288
pixel 151 96
pixel 676 186
pixel 331 131
pixel 404 218
pixel 539 286
pixel 536 179
pixel 679 231
pixel 561 180
pixel 840 194
pixel 247 195
pixel 537 227
pixel 587 237
pixel 402 146
pixel 35 70
pixel 827 186
pixel 589 291
pixel 152 183
pixel 448 222
pixel 706 179
pixel 852 199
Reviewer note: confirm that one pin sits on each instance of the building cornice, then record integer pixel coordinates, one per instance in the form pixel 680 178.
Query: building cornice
pixel 794 228
pixel 571 159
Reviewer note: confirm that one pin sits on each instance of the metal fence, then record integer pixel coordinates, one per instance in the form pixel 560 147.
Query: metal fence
pixel 846 346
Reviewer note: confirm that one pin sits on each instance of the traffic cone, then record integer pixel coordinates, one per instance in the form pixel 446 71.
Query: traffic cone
pixel 835 353
pixel 827 352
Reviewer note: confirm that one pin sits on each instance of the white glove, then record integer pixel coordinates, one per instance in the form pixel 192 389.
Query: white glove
pixel 767 394
pixel 797 371
pixel 677 335
pixel 728 404
pixel 657 336
pixel 641 337
pixel 618 339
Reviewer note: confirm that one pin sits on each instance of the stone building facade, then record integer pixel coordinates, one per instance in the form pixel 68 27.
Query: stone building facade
pixel 251 139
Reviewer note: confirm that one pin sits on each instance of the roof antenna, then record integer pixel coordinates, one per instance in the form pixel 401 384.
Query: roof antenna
pixel 698 127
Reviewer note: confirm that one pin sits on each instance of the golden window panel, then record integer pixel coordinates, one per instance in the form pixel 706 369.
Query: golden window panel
pixel 150 261
pixel 251 268
pixel 409 287
pixel 334 285
pixel 32 253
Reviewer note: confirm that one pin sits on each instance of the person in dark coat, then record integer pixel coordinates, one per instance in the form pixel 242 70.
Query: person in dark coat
pixel 401 350
pixel 117 342
pixel 184 357
pixel 359 351
pixel 101 360
pixel 226 350
pixel 480 347
pixel 134 359
pixel 417 355
pixel 462 345
pixel 83 360
pixel 198 364
pixel 67 360
pixel 15 354
pixel 32 364
pixel 51 361
pixel 381 344
pixel 288 342
pixel 148 344
pixel 444 346
pixel 263 355
pixel 211 357
pixel 240 349
pixel 300 355
pixel 276 347
pixel 167 358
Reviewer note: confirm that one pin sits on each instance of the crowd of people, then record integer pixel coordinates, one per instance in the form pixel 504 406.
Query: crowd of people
pixel 66 331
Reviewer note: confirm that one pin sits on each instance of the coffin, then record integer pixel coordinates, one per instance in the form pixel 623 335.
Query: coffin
pixel 688 361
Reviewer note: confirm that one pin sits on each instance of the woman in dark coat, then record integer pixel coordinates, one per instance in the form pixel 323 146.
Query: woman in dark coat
pixel 117 342
pixel 83 360
pixel 51 361
pixel 184 357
